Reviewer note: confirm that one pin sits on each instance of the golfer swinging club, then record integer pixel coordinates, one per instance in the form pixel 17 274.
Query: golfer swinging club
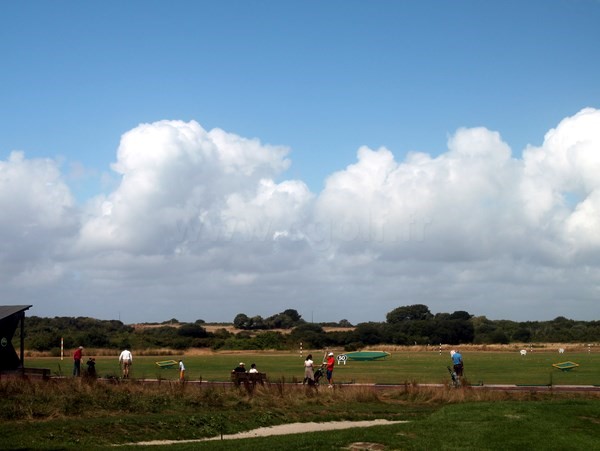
pixel 457 361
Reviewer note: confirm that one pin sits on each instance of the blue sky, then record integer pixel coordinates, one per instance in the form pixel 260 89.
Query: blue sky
pixel 320 79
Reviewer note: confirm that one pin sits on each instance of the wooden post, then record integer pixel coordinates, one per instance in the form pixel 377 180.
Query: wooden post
pixel 23 341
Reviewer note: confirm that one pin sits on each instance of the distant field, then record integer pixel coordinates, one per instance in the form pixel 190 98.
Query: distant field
pixel 402 367
pixel 212 328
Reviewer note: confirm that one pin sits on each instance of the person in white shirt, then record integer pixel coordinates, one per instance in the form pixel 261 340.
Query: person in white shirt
pixel 309 375
pixel 253 368
pixel 125 360
pixel 181 371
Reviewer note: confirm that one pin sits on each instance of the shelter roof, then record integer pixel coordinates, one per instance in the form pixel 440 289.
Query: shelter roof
pixel 8 310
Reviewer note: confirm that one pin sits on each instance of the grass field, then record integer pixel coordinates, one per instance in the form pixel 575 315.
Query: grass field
pixel 402 367
pixel 72 414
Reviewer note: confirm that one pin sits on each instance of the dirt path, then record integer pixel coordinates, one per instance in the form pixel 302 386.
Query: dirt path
pixel 293 428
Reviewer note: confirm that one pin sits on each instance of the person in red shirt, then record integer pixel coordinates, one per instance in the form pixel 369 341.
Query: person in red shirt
pixel 77 361
pixel 329 368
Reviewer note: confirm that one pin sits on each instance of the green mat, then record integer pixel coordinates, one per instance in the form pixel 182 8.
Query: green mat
pixel 565 366
pixel 367 355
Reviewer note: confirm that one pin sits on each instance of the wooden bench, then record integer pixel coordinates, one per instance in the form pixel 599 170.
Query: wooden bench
pixel 248 378
pixel 44 373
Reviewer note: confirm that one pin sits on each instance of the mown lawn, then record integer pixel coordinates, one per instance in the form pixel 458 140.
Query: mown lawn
pixel 402 367
pixel 505 425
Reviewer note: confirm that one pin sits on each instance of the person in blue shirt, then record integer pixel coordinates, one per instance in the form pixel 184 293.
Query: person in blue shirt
pixel 457 361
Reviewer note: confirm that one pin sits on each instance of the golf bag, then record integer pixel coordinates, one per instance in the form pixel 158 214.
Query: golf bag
pixel 317 375
pixel 319 372
pixel 455 379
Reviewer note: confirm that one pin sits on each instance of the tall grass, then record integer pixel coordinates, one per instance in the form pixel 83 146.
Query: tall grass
pixel 21 399
pixel 74 397
pixel 44 414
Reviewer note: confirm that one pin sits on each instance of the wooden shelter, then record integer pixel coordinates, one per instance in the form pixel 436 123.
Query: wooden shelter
pixel 10 318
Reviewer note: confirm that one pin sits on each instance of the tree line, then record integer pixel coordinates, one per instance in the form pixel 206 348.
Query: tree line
pixel 405 325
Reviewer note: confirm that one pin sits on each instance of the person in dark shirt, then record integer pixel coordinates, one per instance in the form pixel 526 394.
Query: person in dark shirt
pixel 91 367
pixel 241 368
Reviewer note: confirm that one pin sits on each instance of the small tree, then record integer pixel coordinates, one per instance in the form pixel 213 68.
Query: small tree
pixel 414 312
pixel 241 321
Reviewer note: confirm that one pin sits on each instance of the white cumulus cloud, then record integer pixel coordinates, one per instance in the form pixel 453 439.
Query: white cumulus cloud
pixel 201 225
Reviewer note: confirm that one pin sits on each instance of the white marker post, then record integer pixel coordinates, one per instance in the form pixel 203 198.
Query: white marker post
pixel 62 348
